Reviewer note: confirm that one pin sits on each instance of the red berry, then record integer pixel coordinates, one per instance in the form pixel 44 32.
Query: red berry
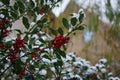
pixel 2 46
pixel 41 11
pixel 6 21
pixel 0 23
pixel 21 73
pixel 34 56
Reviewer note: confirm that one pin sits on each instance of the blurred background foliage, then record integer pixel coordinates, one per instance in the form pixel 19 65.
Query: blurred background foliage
pixel 101 37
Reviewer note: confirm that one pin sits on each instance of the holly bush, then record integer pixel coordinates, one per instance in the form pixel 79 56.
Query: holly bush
pixel 39 52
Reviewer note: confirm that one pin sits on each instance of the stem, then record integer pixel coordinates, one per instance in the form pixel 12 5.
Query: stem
pixel 74 28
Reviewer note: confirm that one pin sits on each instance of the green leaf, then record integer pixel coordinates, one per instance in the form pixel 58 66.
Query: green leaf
pixel 21 11
pixel 20 5
pixel 53 31
pixel 61 53
pixel 46 56
pixel 16 6
pixel 81 17
pixel 71 14
pixel 46 8
pixel 32 4
pixel 30 46
pixel 60 31
pixel 65 23
pixel 58 63
pixel 6 2
pixel 73 21
pixel 41 2
pixel 36 8
pixel 26 38
pixel 19 31
pixel 14 15
pixel 8 44
pixel 80 28
pixel 64 47
pixel 44 20
pixel 25 22
pixel 58 55
pixel 4 12
pixel 36 30
pixel 31 40
pixel 41 40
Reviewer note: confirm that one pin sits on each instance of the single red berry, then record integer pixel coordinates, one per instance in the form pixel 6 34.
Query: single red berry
pixel 41 50
pixel 11 50
pixel 34 56
pixel 29 69
pixel 5 34
pixel 6 21
pixel 67 39
pixel 0 23
pixel 2 46
pixel 41 11
pixel 37 49
pixel 21 73
pixel 94 75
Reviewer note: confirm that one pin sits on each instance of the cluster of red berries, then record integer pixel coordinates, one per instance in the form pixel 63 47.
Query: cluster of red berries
pixel 3 28
pixel 59 41
pixel 36 52
pixel 18 44
pixel 13 57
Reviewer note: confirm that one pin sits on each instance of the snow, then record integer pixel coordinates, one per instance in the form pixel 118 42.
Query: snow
pixel 46 60
pixel 1 4
pixel 87 35
pixel 58 10
pixel 2 16
pixel 87 4
pixel 110 74
pixel 103 70
pixel 43 72
pixel 53 60
pixel 113 2
pixel 114 78
pixel 52 69
pixel 103 61
pixel 77 63
pixel 32 24
pixel 39 16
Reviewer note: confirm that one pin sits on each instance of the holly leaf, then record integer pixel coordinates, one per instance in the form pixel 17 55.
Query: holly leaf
pixel 73 21
pixel 60 31
pixel 53 31
pixel 65 23
pixel 25 22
